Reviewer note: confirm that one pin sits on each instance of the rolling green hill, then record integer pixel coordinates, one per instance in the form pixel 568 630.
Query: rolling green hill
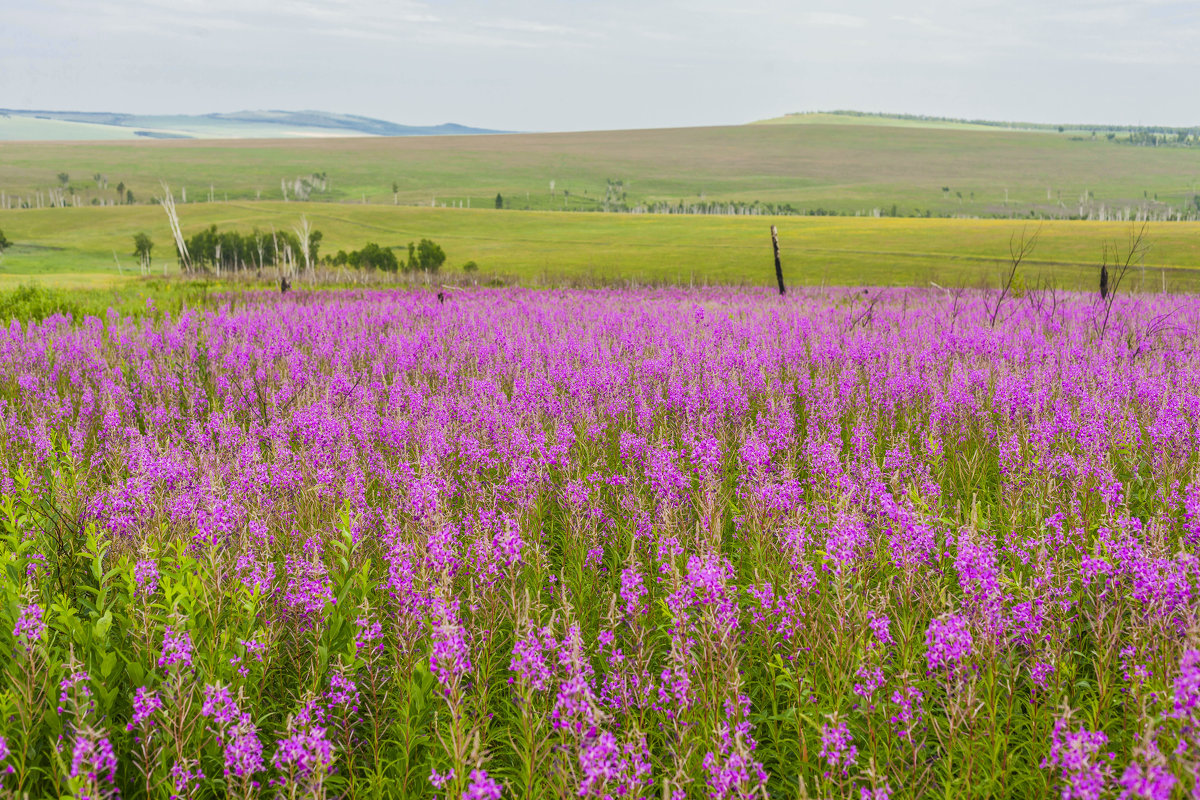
pixel 395 190
pixel 808 168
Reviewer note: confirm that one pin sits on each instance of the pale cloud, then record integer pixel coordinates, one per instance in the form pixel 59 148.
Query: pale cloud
pixel 577 64
pixel 833 20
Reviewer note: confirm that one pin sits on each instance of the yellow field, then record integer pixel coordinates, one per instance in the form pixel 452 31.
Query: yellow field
pixel 74 247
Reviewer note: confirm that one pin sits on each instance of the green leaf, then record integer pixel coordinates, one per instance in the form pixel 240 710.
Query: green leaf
pixel 101 627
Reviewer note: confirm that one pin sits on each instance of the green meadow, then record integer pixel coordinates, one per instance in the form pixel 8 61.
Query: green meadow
pixel 844 165
pixel 76 247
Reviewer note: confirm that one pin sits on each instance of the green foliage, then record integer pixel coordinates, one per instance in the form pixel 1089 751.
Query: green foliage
pixel 4 243
pixel 314 244
pixel 430 257
pixel 470 266
pixel 148 298
pixel 29 302
pixel 233 251
pixel 142 245
pixel 374 257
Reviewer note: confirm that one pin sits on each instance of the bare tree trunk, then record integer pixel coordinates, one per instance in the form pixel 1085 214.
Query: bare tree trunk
pixel 168 204
pixel 303 233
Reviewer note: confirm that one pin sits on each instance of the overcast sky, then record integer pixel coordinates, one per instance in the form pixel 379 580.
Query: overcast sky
pixel 579 64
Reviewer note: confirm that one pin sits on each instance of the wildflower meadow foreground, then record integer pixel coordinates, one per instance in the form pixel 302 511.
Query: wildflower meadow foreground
pixel 610 544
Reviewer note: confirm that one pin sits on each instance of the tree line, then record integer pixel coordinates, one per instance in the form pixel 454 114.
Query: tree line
pixel 234 251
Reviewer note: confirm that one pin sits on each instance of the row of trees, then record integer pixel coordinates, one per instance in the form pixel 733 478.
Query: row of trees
pixel 230 250
pixel 425 256
pixel 123 194
pixel 233 251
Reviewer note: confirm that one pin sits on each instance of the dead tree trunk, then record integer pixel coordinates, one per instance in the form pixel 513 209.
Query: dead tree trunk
pixel 778 266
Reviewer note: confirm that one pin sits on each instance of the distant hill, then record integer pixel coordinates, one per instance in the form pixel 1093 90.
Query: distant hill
pixel 39 125
pixel 843 117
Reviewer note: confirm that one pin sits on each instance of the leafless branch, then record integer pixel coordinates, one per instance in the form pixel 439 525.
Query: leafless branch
pixel 1019 248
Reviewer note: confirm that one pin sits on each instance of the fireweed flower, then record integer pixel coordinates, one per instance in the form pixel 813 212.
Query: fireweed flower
pixel 1040 674
pixel 1148 776
pixel 732 771
pixel 948 644
pixel 707 590
pixel 870 677
pixel 342 693
pixel 611 769
pixel 883 792
pixel 219 706
pixel 184 776
pixel 454 435
pixel 145 578
pixel 176 648
pixel 633 590
pixel 837 747
pixel 75 694
pixel 575 704
pixel 255 649
pixel 531 657
pixel 439 779
pixel 304 754
pixel 93 759
pixel 1186 689
pixel 482 787
pixel 1076 754
pixel 236 731
pixel 146 703
pixel 908 714
pixel 243 749
pixel 36 565
pixel 308 592
pixel 30 627
pixel 450 658
pixel 368 637
pixel 880 626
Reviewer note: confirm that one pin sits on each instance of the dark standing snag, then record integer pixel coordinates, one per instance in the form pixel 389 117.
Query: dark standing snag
pixel 441 298
pixel 778 266
pixel 1124 258
pixel 284 285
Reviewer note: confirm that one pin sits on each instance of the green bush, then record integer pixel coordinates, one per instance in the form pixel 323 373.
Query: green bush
pixel 374 257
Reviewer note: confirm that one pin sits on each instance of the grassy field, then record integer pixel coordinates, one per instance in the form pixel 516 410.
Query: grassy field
pixel 75 247
pixel 847 168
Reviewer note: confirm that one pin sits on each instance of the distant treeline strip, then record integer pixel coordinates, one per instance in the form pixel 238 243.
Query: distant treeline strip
pixel 1150 135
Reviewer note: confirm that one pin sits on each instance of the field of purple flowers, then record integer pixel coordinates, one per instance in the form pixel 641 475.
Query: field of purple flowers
pixel 610 544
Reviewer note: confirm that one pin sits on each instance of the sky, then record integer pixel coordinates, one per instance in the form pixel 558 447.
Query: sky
pixel 582 65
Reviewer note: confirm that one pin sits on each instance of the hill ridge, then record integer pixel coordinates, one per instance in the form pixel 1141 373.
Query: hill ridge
pixel 249 123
